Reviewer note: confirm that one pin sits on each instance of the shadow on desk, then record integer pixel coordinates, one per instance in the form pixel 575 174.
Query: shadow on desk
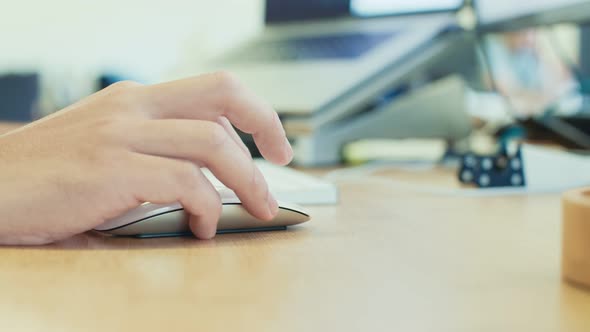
pixel 96 241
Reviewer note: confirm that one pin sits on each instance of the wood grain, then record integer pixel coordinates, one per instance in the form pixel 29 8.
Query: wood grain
pixel 387 258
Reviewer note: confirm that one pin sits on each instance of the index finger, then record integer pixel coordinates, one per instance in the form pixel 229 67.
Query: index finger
pixel 211 96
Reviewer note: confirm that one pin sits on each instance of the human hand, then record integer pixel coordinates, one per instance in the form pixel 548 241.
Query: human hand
pixel 129 144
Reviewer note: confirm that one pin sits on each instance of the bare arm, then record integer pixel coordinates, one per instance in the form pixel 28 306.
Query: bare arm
pixel 8 126
pixel 129 144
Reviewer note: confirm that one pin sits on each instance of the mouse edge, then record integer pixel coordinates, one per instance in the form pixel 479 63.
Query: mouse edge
pixel 175 207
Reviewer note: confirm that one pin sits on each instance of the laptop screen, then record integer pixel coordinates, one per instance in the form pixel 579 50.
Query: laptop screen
pixel 299 10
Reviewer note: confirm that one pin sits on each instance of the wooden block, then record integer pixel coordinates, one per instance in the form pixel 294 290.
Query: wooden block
pixel 576 237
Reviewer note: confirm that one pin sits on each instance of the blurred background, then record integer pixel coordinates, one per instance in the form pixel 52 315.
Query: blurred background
pixel 504 65
pixel 70 44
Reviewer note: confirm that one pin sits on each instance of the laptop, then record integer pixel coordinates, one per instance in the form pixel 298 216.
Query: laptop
pixel 312 52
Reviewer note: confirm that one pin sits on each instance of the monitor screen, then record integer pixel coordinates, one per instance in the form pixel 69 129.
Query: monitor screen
pixel 298 10
pixel 389 7
pixel 492 12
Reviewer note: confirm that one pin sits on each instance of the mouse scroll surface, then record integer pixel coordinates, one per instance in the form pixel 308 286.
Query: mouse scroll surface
pixel 153 220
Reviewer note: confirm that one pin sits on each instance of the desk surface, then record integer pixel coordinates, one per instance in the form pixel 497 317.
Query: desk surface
pixel 386 259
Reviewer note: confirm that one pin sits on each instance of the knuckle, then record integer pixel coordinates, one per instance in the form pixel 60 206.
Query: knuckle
pixel 118 95
pixel 229 91
pixel 123 85
pixel 186 175
pixel 215 205
pixel 122 96
pixel 257 181
pixel 216 136
pixel 108 130
pixel 204 201
pixel 227 81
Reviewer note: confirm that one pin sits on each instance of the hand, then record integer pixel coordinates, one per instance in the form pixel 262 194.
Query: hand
pixel 129 144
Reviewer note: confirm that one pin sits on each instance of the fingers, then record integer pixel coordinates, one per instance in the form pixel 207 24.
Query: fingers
pixel 212 96
pixel 162 181
pixel 207 143
pixel 234 135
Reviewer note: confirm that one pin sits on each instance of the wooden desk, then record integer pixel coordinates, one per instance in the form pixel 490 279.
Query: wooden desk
pixel 385 259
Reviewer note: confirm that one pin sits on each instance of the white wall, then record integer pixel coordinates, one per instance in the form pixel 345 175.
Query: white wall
pixel 75 39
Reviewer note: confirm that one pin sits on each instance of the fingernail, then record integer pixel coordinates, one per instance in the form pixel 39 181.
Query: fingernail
pixel 273 206
pixel 203 232
pixel 288 150
pixel 211 233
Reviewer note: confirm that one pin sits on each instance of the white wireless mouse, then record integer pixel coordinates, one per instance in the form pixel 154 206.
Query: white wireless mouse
pixel 158 220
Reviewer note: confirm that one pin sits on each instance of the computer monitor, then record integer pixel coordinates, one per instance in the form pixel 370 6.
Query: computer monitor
pixel 364 8
pixel 500 15
pixel 278 11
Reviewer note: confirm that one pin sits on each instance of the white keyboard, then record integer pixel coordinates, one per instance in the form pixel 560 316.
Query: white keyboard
pixel 290 185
